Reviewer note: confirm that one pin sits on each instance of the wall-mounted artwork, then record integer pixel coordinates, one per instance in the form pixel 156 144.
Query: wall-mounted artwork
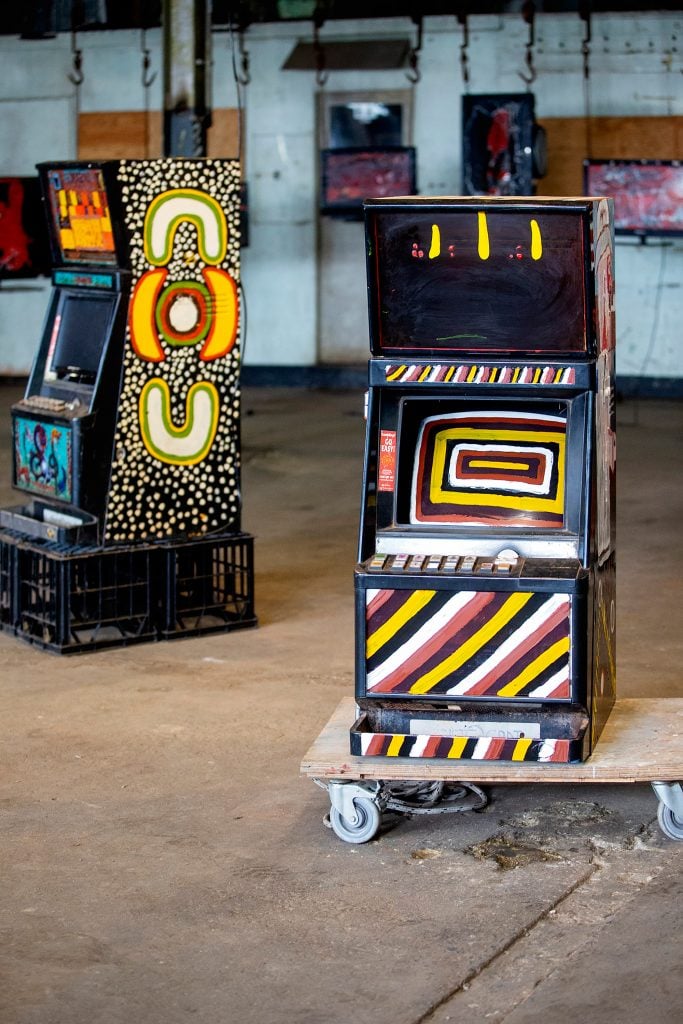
pixel 351 175
pixel 24 247
pixel 648 194
pixel 502 145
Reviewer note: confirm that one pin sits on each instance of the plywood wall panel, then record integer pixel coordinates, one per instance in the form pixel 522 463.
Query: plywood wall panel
pixel 134 134
pixel 573 139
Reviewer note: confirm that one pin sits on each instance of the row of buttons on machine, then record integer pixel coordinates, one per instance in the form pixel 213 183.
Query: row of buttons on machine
pixel 42 402
pixel 449 564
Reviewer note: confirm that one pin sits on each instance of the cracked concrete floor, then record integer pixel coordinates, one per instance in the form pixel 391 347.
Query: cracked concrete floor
pixel 163 862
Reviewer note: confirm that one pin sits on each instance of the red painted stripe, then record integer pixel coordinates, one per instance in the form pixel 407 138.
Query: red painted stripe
pixel 561 751
pixel 562 691
pixel 377 602
pixel 495 749
pixel 375 745
pixel 432 746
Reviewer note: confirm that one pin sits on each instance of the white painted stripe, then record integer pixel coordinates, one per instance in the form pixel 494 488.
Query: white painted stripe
pixel 560 677
pixel 547 750
pixel 435 373
pixel 508 646
pixel 365 740
pixel 480 747
pixel 370 594
pixel 421 637
pixel 418 747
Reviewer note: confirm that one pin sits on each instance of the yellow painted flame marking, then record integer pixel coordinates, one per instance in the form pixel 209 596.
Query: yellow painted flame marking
pixel 435 246
pixel 484 248
pixel 536 242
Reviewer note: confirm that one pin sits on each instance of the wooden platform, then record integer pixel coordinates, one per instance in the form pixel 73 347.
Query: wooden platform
pixel 642 742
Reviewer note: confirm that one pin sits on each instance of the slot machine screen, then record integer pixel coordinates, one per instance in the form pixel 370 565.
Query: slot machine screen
pixel 83 324
pixel 79 216
pixel 447 279
pixel 490 467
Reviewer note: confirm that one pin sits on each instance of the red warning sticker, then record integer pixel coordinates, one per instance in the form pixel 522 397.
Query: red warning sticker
pixel 386 474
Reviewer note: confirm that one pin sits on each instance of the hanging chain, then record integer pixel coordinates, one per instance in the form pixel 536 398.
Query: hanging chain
pixel 414 75
pixel 529 15
pixel 320 72
pixel 464 60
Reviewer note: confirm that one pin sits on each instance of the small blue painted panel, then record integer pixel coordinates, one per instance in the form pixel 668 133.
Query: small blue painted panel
pixel 43 457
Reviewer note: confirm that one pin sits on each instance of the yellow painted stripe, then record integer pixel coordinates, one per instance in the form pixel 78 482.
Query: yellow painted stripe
pixel 394 746
pixel 536 241
pixel 449 373
pixel 494 374
pixel 537 666
pixel 521 747
pixel 490 464
pixel 412 606
pixel 537 374
pixel 558 376
pixel 516 374
pixel 523 502
pixel 457 746
pixel 472 374
pixel 397 373
pixel 483 248
pixel 513 605
pixel 425 373
pixel 435 247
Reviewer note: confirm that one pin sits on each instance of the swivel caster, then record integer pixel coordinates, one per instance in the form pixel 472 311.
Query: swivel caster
pixel 355 815
pixel 670 810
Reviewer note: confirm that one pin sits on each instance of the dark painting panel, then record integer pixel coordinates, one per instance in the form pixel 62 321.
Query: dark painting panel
pixel 477 280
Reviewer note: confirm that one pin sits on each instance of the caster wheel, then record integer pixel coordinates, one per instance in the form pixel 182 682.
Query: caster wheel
pixel 671 826
pixel 365 826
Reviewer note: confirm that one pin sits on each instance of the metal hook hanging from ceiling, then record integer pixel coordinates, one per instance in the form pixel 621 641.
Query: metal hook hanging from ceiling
pixel 464 59
pixel 320 73
pixel 243 76
pixel 529 15
pixel 76 75
pixel 413 74
pixel 585 15
pixel 147 78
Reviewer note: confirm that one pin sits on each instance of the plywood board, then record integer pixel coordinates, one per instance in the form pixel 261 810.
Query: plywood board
pixel 136 134
pixel 571 140
pixel 642 742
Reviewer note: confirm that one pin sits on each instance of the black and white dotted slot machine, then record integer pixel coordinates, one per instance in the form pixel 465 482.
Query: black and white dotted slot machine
pixel 129 431
pixel 485 589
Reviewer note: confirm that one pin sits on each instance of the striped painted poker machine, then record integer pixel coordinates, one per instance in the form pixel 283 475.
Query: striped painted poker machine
pixel 485 584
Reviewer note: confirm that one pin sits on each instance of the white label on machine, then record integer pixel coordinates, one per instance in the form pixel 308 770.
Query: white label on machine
pixel 498 730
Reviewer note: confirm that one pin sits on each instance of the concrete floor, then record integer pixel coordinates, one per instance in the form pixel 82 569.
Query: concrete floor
pixel 164 862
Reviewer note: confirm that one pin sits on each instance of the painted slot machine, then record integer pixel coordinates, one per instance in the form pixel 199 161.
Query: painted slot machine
pixel 485 589
pixel 128 434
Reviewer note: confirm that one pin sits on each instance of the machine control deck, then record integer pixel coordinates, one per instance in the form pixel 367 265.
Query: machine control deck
pixel 472 565
pixel 445 565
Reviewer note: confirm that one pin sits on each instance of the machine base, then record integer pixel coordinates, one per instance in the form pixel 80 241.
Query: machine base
pixel 476 734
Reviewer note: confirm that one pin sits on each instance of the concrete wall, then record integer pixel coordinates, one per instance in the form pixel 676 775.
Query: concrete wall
pixel 305 281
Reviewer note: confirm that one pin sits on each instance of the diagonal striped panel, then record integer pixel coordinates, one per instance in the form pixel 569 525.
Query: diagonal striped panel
pixel 468 644
pixel 502 467
pixel 462 748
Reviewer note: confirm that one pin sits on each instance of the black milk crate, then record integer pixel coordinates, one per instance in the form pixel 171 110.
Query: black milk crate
pixel 8 582
pixel 72 600
pixel 208 586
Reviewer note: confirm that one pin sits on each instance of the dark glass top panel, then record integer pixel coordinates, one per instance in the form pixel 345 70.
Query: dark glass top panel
pixel 448 279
